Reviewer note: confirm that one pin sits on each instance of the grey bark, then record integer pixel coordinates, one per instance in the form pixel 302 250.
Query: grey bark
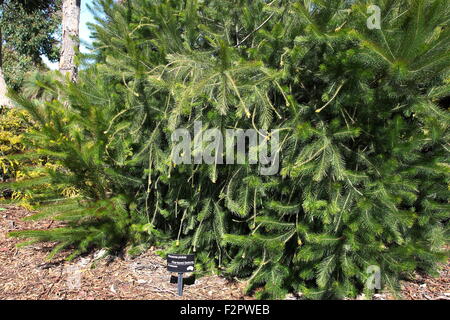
pixel 4 100
pixel 70 37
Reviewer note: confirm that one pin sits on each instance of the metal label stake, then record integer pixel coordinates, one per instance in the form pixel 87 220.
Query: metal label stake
pixel 180 263
pixel 180 283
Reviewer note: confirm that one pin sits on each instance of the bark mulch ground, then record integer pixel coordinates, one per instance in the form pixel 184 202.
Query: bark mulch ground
pixel 423 287
pixel 26 274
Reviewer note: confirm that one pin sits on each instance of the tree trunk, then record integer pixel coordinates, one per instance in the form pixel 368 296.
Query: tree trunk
pixel 70 37
pixel 4 100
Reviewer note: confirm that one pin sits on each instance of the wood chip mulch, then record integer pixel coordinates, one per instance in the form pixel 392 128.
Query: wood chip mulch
pixel 424 287
pixel 26 274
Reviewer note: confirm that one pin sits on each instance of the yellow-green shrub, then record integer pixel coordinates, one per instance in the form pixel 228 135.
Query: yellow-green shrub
pixel 16 167
pixel 13 124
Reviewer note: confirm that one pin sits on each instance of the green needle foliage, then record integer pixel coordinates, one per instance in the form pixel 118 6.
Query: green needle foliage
pixel 363 124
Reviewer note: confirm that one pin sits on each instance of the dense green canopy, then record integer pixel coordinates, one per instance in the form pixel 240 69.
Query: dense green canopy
pixel 364 140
